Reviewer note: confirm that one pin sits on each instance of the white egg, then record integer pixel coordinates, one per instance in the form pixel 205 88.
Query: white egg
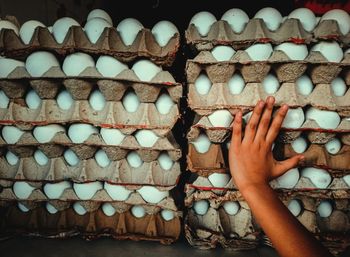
pixel 4 24
pixel 295 52
pixel 201 207
pixel 112 136
pixel 236 84
pixel 76 63
pixel 202 84
pixel 223 53
pixel 339 87
pixel 95 27
pixel 221 118
pixel 22 189
pixel 117 192
pixel 11 134
pixel 85 191
pixel 146 138
pixel 325 119
pixel 27 30
pixel 231 208
pixel 202 143
pixel 325 209
pixel 151 194
pixel 236 18
pixel 341 17
pixel 131 102
pixel 271 84
pixel 134 159
pixel 22 207
pixel 33 100
pixel 271 17
pixel 165 162
pixel 61 26
pixel 64 100
pixel 164 103
pixel 218 179
pixel 4 100
pixel 71 157
pixel 50 28
pixel 167 215
pixel 203 22
pixel 11 158
pixel 299 145
pixel 259 52
pixel 99 13
pixel 146 70
pixel 40 62
pixel 304 85
pixel 41 158
pixel 138 211
pixel 8 65
pixel 346 179
pixel 44 134
pixel 79 209
pixel 319 177
pixel 333 146
pixel 80 132
pixel 288 179
pixel 330 50
pixel 97 101
pixel 108 209
pixel 109 66
pixel 50 208
pixel 294 118
pixel 102 158
pixel 128 30
pixel 306 17
pixel 295 207
pixel 55 190
pixel 163 31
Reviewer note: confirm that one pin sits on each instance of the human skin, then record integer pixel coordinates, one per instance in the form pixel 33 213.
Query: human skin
pixel 253 166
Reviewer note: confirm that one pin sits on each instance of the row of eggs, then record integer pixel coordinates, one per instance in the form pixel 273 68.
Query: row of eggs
pixel 86 191
pixel 272 18
pixel 38 63
pixel 96 23
pixel 270 83
pixel 137 211
pixel 101 158
pixel 97 101
pixel 78 133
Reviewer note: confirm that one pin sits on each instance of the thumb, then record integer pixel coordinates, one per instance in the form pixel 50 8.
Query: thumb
pixel 283 166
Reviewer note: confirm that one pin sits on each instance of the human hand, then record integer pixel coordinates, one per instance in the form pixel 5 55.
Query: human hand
pixel 250 158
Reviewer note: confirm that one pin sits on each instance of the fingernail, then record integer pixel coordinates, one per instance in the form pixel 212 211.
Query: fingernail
pixel 285 108
pixel 261 104
pixel 301 158
pixel 270 99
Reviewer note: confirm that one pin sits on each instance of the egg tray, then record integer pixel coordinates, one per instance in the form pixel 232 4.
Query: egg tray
pixel 109 43
pixel 92 225
pixel 315 65
pixel 219 97
pixel 113 115
pixel 290 30
pixel 19 82
pixel 120 172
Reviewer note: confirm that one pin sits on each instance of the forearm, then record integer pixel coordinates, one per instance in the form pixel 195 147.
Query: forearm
pixel 288 235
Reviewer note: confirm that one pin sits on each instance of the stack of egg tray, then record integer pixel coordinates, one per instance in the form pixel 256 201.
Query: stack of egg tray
pixel 240 231
pixel 28 212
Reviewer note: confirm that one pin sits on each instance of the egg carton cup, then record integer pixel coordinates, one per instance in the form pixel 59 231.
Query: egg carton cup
pixel 319 69
pixel 113 115
pixel 109 43
pixel 92 225
pixel 118 172
pixel 19 81
pixel 255 31
pixel 219 97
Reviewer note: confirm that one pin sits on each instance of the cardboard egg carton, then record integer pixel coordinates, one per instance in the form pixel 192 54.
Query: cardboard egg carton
pixel 255 31
pixel 118 172
pixel 67 223
pixel 109 43
pixel 319 69
pixel 47 86
pixel 113 114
